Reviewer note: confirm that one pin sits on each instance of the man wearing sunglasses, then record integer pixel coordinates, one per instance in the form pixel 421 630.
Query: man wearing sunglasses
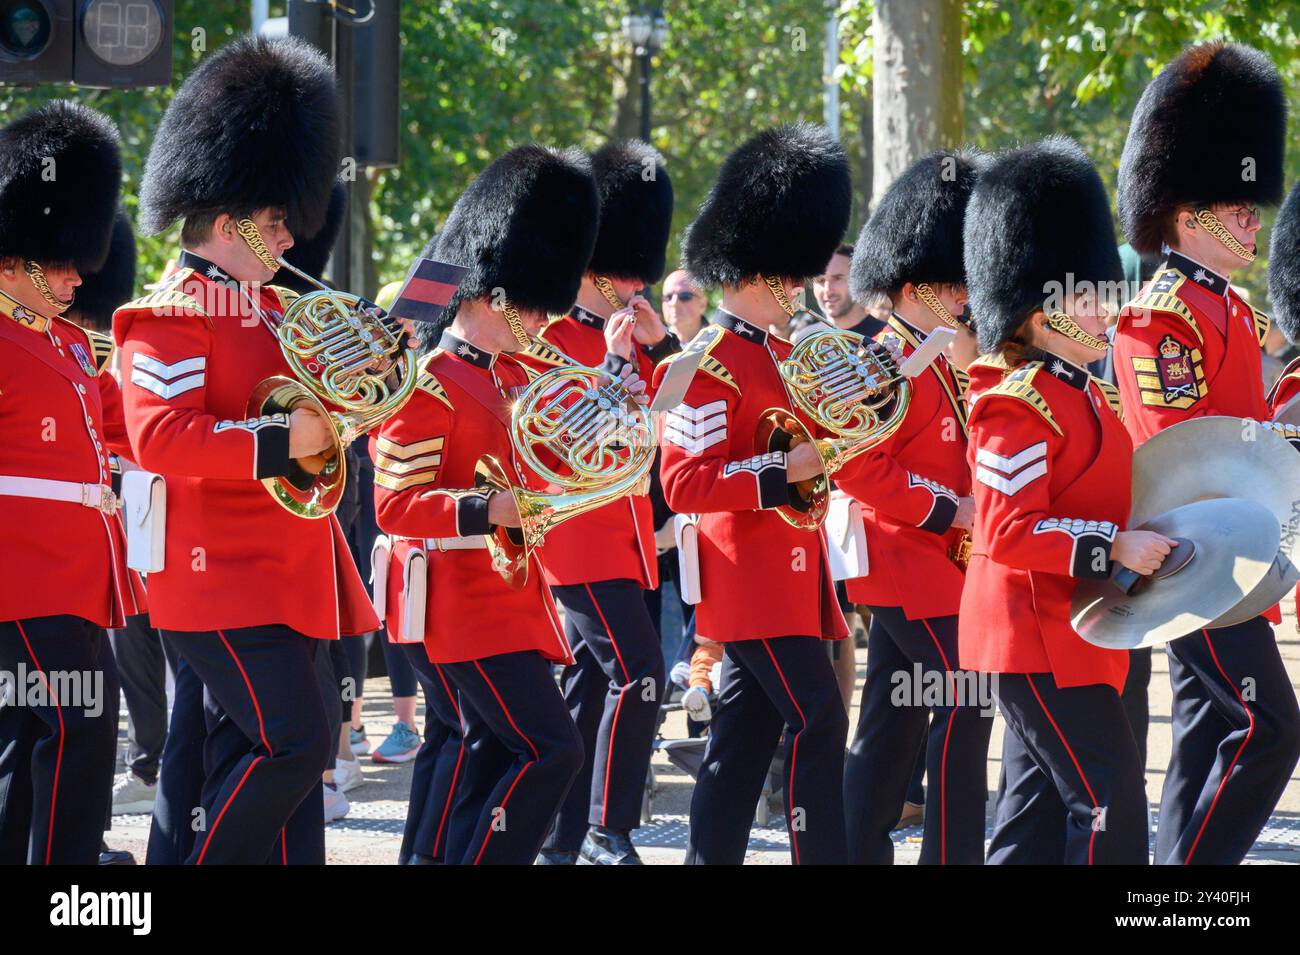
pixel 1189 346
pixel 684 305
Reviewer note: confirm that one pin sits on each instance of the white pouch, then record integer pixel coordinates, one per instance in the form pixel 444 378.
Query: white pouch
pixel 379 555
pixel 846 539
pixel 144 516
pixel 415 587
pixel 686 531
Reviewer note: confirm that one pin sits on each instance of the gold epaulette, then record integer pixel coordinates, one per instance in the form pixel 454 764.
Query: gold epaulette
pixel 1262 324
pixel 430 385
pixel 1020 385
pixel 989 361
pixel 285 296
pixel 540 351
pixel 963 380
pixel 1162 296
pixel 101 349
pixel 706 339
pixel 1111 394
pixel 167 302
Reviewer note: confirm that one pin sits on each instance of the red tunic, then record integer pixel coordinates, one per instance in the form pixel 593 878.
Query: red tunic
pixel 1188 347
pixel 1053 470
pixel 192 354
pixel 614 542
pixel 759 576
pixel 424 488
pixel 909 486
pixel 60 416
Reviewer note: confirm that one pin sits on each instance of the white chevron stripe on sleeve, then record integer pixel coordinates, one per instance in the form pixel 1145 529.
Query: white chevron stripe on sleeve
pixel 696 429
pixel 1010 465
pixel 168 372
pixel 691 444
pixel 1010 486
pixel 691 413
pixel 167 390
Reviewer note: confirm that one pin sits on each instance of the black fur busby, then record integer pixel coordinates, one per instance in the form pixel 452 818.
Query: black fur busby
pixel 103 292
pixel 915 234
pixel 526 225
pixel 312 253
pixel 779 207
pixel 1038 224
pixel 255 126
pixel 60 175
pixel 1284 267
pixel 1210 128
pixel 636 211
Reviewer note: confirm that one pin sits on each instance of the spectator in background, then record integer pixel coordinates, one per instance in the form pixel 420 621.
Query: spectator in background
pixel 831 289
pixel 684 305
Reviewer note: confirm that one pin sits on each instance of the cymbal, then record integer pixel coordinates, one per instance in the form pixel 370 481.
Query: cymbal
pixel 1223 457
pixel 1235 541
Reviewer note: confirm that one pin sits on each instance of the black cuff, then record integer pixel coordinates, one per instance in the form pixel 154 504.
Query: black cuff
pixel 472 515
pixel 271 454
pixel 668 345
pixel 613 365
pixel 941 514
pixel 773 488
pixel 1091 557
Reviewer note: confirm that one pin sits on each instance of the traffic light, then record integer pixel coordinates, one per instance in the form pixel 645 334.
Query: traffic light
pixel 98 43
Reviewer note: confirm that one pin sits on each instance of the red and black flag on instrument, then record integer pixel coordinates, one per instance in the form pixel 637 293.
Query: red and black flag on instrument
pixel 427 291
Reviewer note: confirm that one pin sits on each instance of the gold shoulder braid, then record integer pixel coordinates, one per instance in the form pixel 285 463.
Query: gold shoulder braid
pixel 1262 323
pixel 1111 394
pixel 1162 296
pixel 101 349
pixel 706 338
pixel 1019 385
pixel 541 351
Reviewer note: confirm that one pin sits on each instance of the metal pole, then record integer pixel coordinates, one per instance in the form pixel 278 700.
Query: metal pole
pixel 645 94
pixel 261 12
pixel 831 99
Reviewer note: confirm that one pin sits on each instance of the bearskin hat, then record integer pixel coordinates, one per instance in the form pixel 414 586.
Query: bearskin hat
pixel 255 126
pixel 636 211
pixel 1038 222
pixel 312 253
pixel 779 207
pixel 60 176
pixel 915 234
pixel 101 293
pixel 525 225
pixel 1284 267
pixel 1210 128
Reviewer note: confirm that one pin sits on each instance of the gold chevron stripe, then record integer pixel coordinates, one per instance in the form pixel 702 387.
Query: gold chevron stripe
pixel 388 482
pixel 404 452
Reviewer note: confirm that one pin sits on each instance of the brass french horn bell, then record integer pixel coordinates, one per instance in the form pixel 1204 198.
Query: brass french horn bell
pixel 576 428
pixel 351 366
pixel 848 386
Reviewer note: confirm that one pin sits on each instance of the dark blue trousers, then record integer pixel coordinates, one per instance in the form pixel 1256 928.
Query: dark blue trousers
pixel 613 691
pixel 267 745
pixel 180 777
pixel 1072 789
pixel 437 765
pixel 882 756
pixel 57 748
pixel 522 755
pixel 1236 740
pixel 769 687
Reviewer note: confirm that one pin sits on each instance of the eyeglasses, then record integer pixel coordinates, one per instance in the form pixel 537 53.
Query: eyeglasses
pixel 679 296
pixel 1245 215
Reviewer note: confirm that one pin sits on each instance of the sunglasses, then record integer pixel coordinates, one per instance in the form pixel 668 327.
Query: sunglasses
pixel 679 296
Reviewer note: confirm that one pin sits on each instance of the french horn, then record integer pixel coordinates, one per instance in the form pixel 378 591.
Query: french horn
pixel 848 386
pixel 575 428
pixel 352 366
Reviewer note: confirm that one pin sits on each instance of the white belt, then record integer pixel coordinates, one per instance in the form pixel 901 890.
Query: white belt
pixel 456 543
pixel 100 497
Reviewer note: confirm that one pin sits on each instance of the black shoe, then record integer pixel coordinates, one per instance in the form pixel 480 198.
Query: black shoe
pixel 607 847
pixel 109 856
pixel 557 857
pixel 421 859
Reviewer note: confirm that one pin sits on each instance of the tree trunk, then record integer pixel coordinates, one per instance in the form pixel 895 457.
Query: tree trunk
pixel 916 85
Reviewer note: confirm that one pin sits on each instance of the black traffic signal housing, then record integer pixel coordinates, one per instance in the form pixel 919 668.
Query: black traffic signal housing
pixel 94 43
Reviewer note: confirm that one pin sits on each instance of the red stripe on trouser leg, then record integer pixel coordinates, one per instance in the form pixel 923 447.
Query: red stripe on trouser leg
pixel 257 707
pixel 1250 730
pixel 613 729
pixel 511 720
pixel 58 759
pixel 213 831
pixel 943 761
pixel 1069 752
pixel 794 749
pixel 455 773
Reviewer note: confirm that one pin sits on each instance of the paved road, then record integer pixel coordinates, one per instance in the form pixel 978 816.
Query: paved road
pixel 371 833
